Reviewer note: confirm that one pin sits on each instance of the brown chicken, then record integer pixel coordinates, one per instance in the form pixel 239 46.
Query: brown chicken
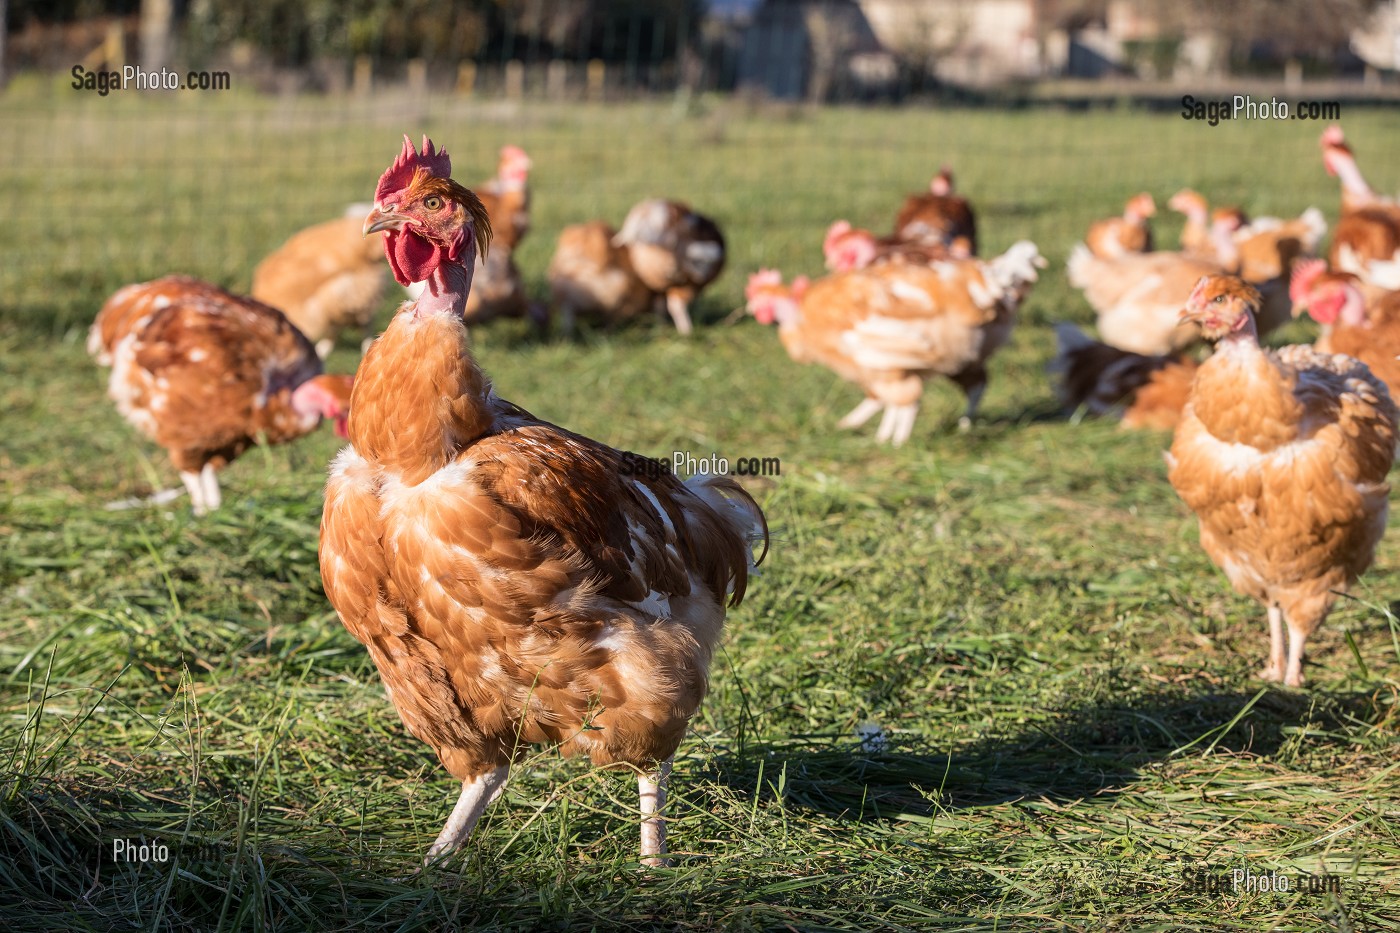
pixel 507 199
pixel 1370 332
pixel 1369 229
pixel 1196 240
pixel 939 217
pixel 326 279
pixel 206 374
pixel 1138 296
pixel 1143 391
pixel 674 251
pixel 846 248
pixel 592 276
pixel 890 327
pixel 1258 250
pixel 1283 457
pixel 1129 233
pixel 515 583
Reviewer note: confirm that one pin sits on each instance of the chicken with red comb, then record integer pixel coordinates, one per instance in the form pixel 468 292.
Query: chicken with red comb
pixel 1366 330
pixel 1283 456
pixel 515 583
pixel 207 374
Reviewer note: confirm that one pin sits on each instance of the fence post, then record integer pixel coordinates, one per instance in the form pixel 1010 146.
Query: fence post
pixel 157 17
pixel 556 79
pixel 1293 74
pixel 364 76
pixel 417 77
pixel 466 78
pixel 597 78
pixel 515 79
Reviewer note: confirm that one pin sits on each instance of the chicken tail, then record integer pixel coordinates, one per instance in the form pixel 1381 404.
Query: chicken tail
pixel 1096 376
pixel 1081 266
pixel 739 514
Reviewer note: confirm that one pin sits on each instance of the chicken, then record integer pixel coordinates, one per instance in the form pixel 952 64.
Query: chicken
pixel 514 582
pixel 591 275
pixel 1369 228
pixel 507 199
pixel 939 217
pixel 674 251
pixel 1283 457
pixel 889 327
pixel 1138 296
pixel 1130 233
pixel 1196 240
pixel 499 291
pixel 1260 250
pixel 206 374
pixel 1340 162
pixel 846 248
pixel 1145 391
pixel 1368 331
pixel 1267 247
pixel 326 279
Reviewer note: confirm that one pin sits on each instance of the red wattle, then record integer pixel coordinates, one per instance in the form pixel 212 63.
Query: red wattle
pixel 1325 312
pixel 412 258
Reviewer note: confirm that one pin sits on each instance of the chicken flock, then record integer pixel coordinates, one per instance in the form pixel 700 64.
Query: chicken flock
pixel 516 584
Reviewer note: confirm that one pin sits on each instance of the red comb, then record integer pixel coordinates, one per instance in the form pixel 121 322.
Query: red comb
pixel 834 234
pixel 763 278
pixel 1305 272
pixel 1332 136
pixel 400 175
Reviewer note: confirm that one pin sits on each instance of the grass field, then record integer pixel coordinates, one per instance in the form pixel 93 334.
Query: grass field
pixel 1075 739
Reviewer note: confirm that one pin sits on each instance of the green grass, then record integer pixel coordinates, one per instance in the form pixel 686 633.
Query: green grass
pixel 1065 680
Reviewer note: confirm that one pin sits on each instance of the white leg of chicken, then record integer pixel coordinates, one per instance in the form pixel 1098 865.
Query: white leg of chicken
pixel 652 790
pixel 862 413
pixel 477 794
pixel 680 313
pixel 196 489
pixel 1278 656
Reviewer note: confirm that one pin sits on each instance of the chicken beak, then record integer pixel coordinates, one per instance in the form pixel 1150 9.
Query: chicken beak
pixel 380 219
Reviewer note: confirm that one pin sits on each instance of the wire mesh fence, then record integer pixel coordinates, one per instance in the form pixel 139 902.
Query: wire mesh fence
pixel 108 188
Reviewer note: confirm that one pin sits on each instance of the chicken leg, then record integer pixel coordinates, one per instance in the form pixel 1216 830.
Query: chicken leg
pixel 1297 637
pixel 477 794
pixel 973 382
pixel 1277 647
pixel 678 308
pixel 861 413
pixel 652 790
pixel 209 483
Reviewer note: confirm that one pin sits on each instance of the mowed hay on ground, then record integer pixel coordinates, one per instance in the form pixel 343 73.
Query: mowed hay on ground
pixel 1072 736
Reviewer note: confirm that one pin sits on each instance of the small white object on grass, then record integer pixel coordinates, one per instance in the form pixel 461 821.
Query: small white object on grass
pixel 873 737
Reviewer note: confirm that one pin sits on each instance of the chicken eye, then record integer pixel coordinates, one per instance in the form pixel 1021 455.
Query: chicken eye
pixel 432 202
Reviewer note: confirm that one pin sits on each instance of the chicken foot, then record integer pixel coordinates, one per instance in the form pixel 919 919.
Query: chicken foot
pixel 477 795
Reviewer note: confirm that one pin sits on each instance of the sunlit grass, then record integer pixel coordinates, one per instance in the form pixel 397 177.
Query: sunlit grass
pixel 1064 681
